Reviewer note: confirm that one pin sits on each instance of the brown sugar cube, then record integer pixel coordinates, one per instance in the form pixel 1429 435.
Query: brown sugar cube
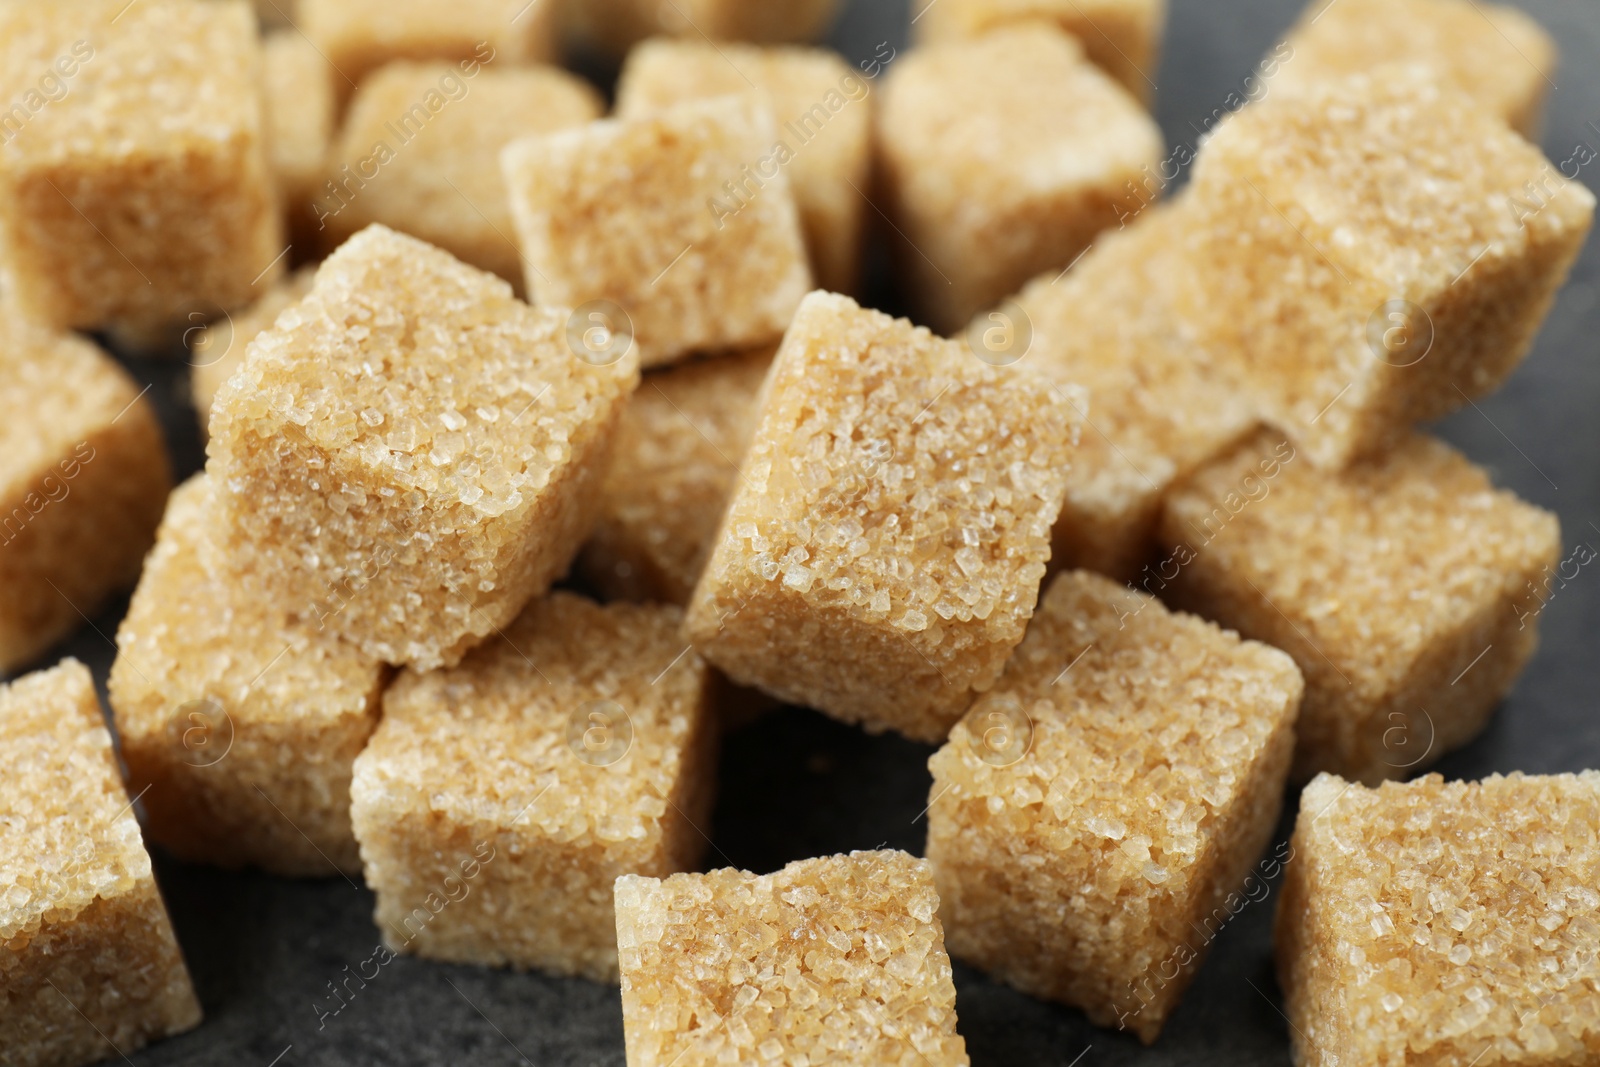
pixel 420 151
pixel 1095 815
pixel 674 468
pixel 359 36
pixel 88 964
pixel 217 349
pixel 1407 588
pixel 143 191
pixel 824 119
pixel 1443 923
pixel 83 475
pixel 300 114
pixel 1122 37
pixel 681 225
pixel 238 726
pixel 520 785
pixel 883 550
pixel 1372 254
pixel 1495 55
pixel 1001 157
pixel 832 960
pixel 1158 408
pixel 411 454
pixel 614 26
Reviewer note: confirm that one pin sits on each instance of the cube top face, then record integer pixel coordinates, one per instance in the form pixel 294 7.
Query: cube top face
pixel 359 35
pixel 647 214
pixel 1373 564
pixel 408 371
pixel 839 958
pixel 1436 921
pixel 67 829
pixel 575 723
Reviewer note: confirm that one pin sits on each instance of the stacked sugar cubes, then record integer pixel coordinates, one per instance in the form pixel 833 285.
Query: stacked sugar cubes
pixel 1145 537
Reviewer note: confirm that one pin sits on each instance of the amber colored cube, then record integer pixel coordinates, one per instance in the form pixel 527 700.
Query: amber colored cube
pixel 420 152
pixel 410 454
pixel 1001 157
pixel 614 26
pixel 217 348
pixel 1373 253
pixel 681 225
pixel 500 799
pixel 301 112
pixel 823 116
pixel 88 964
pixel 1095 818
pixel 1407 588
pixel 883 550
pixel 83 478
pixel 238 726
pixel 1440 923
pixel 831 960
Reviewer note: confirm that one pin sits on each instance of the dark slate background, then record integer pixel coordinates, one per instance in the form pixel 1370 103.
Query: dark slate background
pixel 263 950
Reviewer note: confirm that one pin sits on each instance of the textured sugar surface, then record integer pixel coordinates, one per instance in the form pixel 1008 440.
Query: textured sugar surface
pixel 1384 582
pixel 515 752
pixel 828 960
pixel 614 26
pixel 1158 407
pixel 639 213
pixel 675 464
pixel 299 112
pixel 1002 157
pixel 411 453
pixel 823 116
pixel 1437 923
pixel 262 776
pixel 1093 812
pixel 884 547
pixel 217 350
pixel 438 136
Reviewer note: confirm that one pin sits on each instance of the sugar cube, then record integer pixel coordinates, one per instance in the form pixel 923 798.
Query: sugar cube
pixel 1001 157
pixel 1407 588
pixel 238 726
pixel 500 799
pixel 1436 923
pixel 88 964
pixel 678 227
pixel 1373 254
pixel 675 463
pixel 142 190
pixel 614 26
pixel 1095 818
pixel 824 121
pixel 300 107
pixel 889 529
pixel 837 959
pixel 411 454
pixel 420 151
pixel 83 475
pixel 217 348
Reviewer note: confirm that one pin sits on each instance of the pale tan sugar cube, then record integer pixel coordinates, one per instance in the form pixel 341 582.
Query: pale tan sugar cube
pixel 823 118
pixel 675 464
pixel 1492 54
pixel 420 151
pixel 634 212
pixel 1437 923
pixel 838 959
pixel 1122 37
pixel 239 728
pixel 1372 254
pixel 88 963
pixel 1388 583
pixel 1158 406
pixel 1095 816
pixel 83 474
pixel 614 26
pixel 218 348
pixel 889 529
pixel 411 454
pixel 1001 157
pixel 143 190
pixel 576 749
pixel 300 116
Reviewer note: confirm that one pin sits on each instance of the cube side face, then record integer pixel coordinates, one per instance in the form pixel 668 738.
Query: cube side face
pixel 299 103
pixel 1139 880
pixel 851 525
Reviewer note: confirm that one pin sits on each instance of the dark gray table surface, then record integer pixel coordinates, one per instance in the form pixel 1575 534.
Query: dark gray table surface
pixel 264 950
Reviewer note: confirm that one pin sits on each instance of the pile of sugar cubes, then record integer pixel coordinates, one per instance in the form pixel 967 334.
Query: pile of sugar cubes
pixel 546 444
